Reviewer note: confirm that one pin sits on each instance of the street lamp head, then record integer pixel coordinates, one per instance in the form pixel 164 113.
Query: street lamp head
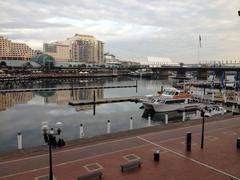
pixel 51 131
pixel 59 124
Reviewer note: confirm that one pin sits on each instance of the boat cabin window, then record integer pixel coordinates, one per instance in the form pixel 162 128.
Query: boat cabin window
pixel 169 93
pixel 161 101
pixel 153 100
pixel 177 101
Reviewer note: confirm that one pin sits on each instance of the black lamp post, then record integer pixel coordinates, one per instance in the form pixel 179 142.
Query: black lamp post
pixel 49 137
pixel 203 121
pixel 239 13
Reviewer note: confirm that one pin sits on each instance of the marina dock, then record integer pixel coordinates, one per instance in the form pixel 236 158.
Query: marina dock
pixel 208 99
pixel 63 88
pixel 106 100
pixel 209 84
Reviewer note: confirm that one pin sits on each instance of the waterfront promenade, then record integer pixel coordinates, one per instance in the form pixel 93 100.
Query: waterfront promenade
pixel 219 160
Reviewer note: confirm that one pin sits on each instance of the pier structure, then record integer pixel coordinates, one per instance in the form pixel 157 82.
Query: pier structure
pixel 63 88
pixel 201 72
pixel 106 100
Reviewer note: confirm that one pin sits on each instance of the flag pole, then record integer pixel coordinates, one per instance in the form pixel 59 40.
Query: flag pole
pixel 198 50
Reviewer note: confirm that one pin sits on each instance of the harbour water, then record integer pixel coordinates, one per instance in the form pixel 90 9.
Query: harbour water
pixel 25 111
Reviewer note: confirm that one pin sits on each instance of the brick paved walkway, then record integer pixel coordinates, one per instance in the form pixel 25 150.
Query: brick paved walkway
pixel 218 160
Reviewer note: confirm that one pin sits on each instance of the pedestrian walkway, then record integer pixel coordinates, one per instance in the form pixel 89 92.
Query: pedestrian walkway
pixel 219 159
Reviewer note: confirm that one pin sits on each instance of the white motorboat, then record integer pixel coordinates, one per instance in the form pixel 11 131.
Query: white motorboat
pixel 214 110
pixel 142 73
pixel 171 99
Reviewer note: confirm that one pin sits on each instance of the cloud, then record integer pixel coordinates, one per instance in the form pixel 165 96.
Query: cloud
pixel 136 28
pixel 30 25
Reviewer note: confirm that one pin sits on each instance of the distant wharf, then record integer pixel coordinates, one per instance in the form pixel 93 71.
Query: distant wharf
pixel 208 100
pixel 63 88
pixel 54 76
pixel 208 84
pixel 106 100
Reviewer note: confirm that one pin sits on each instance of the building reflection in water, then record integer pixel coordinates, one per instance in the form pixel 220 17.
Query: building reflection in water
pixel 63 97
pixel 8 100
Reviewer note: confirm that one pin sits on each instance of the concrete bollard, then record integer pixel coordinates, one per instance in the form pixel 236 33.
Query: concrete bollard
pixel 238 143
pixel 213 96
pixel 183 116
pixel 166 118
pixel 198 113
pixel 149 120
pixel 108 126
pixel 188 141
pixel 161 88
pixel 81 131
pixel 131 123
pixel 19 140
pixel 224 97
pixel 202 95
pixel 233 108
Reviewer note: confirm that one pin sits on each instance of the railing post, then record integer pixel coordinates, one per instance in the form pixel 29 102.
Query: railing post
pixel 183 116
pixel 81 131
pixel 19 140
pixel 108 126
pixel 166 118
pixel 131 123
pixel 136 86
pixel 149 120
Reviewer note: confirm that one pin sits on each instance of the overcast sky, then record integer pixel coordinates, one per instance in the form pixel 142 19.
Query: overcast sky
pixel 130 28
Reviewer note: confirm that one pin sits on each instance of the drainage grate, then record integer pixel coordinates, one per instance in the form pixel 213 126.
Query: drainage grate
pixel 93 167
pixel 131 157
pixel 44 177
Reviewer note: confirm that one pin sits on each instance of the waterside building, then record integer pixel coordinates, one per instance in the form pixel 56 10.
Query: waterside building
pixel 79 48
pixel 14 51
pixel 58 50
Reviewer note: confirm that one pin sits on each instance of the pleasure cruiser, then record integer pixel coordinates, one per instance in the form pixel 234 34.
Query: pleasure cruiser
pixel 171 99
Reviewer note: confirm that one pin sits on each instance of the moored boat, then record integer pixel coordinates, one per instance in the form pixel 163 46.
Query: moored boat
pixel 171 99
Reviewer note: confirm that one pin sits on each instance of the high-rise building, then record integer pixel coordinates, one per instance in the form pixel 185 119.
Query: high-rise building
pixel 86 49
pixel 58 50
pixel 13 50
pixel 79 48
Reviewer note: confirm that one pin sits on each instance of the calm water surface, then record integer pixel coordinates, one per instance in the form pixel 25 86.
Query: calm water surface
pixel 25 112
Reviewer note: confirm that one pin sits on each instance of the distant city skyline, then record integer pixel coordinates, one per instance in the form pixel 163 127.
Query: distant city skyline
pixel 130 29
